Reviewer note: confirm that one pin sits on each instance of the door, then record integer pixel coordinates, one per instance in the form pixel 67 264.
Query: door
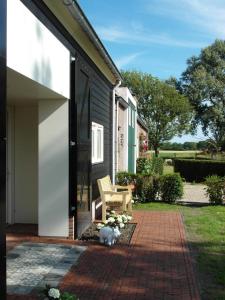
pixel 80 123
pixel 131 138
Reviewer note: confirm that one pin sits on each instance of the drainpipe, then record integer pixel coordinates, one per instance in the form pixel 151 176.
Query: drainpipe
pixel 114 135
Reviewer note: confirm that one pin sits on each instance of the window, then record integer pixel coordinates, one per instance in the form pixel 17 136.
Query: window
pixel 97 143
pixel 129 116
pixel 133 118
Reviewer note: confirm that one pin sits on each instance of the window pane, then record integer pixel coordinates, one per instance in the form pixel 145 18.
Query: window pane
pixel 93 146
pixel 99 144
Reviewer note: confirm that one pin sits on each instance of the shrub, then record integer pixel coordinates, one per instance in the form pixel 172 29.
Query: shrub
pixel 125 178
pixel 157 165
pixel 215 189
pixel 197 170
pixel 144 165
pixel 171 187
pixel 150 188
pixel 152 166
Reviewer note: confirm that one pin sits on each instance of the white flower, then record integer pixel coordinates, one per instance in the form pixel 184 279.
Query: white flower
pixel 119 219
pixel 99 225
pixel 129 218
pixel 111 220
pixel 54 293
pixel 122 225
pixel 132 201
pixel 112 212
pixel 107 214
pixel 124 218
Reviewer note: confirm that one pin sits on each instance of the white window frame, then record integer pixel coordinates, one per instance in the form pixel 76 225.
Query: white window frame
pixel 96 130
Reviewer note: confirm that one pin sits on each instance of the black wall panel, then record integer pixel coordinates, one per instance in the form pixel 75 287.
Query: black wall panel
pixel 2 149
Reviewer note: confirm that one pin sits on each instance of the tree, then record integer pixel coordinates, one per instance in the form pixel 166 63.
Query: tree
pixel 166 112
pixel 203 83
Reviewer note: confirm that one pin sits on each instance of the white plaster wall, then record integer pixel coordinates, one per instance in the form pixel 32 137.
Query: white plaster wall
pixel 53 159
pixel 34 51
pixel 122 149
pixel 10 164
pixel 26 145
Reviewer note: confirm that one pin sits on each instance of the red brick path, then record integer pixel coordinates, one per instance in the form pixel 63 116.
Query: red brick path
pixel 156 266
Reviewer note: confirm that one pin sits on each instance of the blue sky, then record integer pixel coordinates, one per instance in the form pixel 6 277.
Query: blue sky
pixel 156 36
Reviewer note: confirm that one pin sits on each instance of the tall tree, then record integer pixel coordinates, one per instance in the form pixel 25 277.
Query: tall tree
pixel 203 83
pixel 166 112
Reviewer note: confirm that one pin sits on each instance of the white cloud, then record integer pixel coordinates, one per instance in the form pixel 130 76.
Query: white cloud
pixel 136 34
pixel 125 60
pixel 204 15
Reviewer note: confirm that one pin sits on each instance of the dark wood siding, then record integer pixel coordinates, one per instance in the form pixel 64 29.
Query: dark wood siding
pixel 3 149
pixel 101 113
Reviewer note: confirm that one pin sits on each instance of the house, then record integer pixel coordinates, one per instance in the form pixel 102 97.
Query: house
pixel 142 137
pixel 56 115
pixel 125 128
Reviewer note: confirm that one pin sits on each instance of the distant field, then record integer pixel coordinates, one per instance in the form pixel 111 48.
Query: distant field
pixel 175 153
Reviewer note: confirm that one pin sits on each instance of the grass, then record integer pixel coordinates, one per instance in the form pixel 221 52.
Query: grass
pixel 187 154
pixel 168 169
pixel 178 154
pixel 205 227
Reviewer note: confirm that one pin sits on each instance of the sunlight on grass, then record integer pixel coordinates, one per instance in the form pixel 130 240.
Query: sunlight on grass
pixel 168 169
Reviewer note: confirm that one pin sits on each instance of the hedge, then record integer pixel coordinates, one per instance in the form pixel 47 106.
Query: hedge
pixel 197 170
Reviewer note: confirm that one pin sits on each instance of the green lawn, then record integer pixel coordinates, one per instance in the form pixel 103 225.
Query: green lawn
pixel 178 154
pixel 187 154
pixel 205 227
pixel 168 169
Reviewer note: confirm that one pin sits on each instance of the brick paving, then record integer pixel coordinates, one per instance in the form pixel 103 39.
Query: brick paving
pixel 156 266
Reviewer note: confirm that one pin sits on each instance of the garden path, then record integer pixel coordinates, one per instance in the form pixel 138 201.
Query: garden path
pixel 157 265
pixel 194 193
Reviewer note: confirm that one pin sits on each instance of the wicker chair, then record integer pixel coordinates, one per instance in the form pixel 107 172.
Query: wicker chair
pixel 112 197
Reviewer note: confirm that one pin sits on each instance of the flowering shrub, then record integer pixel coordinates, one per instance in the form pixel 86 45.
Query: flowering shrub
pixel 55 294
pixel 115 220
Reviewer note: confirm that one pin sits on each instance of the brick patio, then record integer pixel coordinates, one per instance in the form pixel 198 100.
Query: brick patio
pixel 156 266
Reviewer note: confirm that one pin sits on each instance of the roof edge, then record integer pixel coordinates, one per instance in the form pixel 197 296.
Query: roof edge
pixel 142 123
pixel 79 15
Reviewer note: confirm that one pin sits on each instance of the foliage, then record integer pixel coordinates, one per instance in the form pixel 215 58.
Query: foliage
pixel 171 187
pixel 215 189
pixel 144 165
pixel 125 178
pixel 197 170
pixel 150 188
pixel 165 111
pixel 157 165
pixel 153 166
pixel 203 83
pixel 201 145
pixel 54 294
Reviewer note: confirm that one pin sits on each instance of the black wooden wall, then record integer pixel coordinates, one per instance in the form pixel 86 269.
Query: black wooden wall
pixel 101 112
pixel 3 149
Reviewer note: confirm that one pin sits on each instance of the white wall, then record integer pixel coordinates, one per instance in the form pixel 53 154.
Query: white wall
pixel 34 51
pixel 53 153
pixel 10 165
pixel 26 143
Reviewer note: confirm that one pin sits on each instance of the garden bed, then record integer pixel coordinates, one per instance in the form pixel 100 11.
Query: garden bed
pixel 92 234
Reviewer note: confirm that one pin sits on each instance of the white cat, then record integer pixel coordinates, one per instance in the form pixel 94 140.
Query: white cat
pixel 109 235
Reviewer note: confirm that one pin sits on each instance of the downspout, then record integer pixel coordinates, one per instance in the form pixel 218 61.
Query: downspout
pixel 114 135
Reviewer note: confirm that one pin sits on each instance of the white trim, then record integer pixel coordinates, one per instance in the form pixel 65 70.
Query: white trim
pixel 97 150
